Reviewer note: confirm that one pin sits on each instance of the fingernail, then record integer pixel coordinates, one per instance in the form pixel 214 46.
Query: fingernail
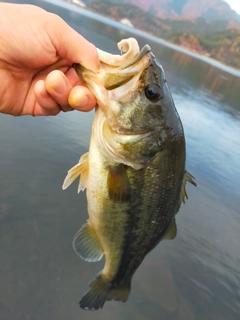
pixel 78 102
pixel 61 86
pixel 82 102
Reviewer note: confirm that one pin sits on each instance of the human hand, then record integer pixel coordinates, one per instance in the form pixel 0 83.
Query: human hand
pixel 37 51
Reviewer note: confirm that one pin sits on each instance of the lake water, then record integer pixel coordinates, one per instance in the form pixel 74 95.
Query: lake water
pixel 196 276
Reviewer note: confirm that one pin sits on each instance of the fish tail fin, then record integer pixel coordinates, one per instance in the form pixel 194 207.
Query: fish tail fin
pixel 102 290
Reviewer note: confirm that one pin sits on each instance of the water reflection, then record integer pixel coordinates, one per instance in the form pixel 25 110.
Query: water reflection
pixel 196 276
pixel 214 137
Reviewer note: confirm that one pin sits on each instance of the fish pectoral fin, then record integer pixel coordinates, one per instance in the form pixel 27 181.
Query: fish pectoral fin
pixel 172 232
pixel 102 290
pixel 183 193
pixel 87 245
pixel 119 189
pixel 80 169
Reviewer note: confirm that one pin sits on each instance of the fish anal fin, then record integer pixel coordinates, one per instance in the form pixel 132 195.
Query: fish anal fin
pixel 80 169
pixel 87 245
pixel 183 193
pixel 172 232
pixel 102 290
pixel 119 189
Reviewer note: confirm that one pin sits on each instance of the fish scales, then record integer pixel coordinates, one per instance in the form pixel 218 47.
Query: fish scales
pixel 148 223
pixel 134 171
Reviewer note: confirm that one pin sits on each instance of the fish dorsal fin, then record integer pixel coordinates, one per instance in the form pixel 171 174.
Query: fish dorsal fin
pixel 119 189
pixel 80 169
pixel 87 245
pixel 171 233
pixel 183 193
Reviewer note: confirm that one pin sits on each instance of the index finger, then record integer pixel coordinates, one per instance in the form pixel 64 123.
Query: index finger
pixel 71 45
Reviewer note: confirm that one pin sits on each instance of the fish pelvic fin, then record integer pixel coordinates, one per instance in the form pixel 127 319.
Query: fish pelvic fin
pixel 102 290
pixel 183 193
pixel 119 189
pixel 80 169
pixel 87 245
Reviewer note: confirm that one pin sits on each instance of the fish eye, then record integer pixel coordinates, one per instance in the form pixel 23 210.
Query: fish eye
pixel 153 92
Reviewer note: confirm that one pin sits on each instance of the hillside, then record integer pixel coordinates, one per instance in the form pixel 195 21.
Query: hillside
pixel 187 9
pixel 223 46
pixel 212 30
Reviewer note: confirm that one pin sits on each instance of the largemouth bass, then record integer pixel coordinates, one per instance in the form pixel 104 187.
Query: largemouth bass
pixel 134 171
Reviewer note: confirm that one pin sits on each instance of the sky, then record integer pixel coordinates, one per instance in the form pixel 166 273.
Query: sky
pixel 234 4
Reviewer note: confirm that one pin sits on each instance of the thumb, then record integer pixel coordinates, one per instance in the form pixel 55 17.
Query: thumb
pixel 72 46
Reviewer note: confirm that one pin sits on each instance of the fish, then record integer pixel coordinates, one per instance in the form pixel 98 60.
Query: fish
pixel 134 172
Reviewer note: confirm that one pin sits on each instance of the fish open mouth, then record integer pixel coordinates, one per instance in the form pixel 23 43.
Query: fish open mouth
pixel 142 53
pixel 130 54
pixel 118 77
pixel 127 73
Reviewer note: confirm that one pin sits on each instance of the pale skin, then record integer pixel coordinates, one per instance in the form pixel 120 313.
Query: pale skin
pixel 37 51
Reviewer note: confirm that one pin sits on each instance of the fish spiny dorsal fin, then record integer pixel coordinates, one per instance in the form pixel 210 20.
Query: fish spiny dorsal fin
pixel 87 245
pixel 119 189
pixel 80 169
pixel 183 193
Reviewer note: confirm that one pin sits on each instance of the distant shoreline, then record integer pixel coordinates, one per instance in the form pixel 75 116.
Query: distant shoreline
pixel 119 25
